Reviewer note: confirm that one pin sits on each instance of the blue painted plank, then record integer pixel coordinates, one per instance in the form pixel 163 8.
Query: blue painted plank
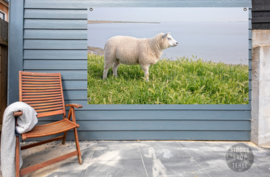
pixel 66 75
pixel 206 115
pixel 133 3
pixel 15 50
pixel 55 34
pixel 56 54
pixel 189 107
pixel 55 44
pixel 55 64
pixel 158 135
pixel 75 95
pixel 163 135
pixel 91 107
pixel 55 24
pixel 161 125
pixel 74 85
pixel 55 14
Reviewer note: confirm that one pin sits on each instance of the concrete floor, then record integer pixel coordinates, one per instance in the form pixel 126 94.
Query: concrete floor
pixel 144 158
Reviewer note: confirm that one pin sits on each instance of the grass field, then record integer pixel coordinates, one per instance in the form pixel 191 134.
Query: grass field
pixel 184 81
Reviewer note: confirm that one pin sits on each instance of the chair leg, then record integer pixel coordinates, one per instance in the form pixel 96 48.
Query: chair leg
pixel 17 161
pixel 77 145
pixel 64 138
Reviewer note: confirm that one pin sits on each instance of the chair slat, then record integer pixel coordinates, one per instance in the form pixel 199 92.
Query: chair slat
pixel 42 96
pixel 40 81
pixel 49 109
pixel 30 94
pixel 37 91
pixel 39 88
pixel 43 77
pixel 42 99
pixel 26 73
pixel 50 113
pixel 44 104
pixel 42 107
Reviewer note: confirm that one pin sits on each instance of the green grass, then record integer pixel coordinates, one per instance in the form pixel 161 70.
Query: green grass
pixel 184 81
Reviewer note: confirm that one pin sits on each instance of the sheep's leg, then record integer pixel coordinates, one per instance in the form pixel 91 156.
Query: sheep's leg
pixel 107 66
pixel 115 66
pixel 146 72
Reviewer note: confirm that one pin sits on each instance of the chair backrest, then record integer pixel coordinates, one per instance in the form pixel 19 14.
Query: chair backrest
pixel 42 91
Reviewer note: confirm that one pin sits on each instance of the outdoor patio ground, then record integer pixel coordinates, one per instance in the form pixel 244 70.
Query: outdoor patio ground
pixel 145 159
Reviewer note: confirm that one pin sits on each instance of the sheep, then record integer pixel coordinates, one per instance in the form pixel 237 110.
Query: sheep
pixel 132 51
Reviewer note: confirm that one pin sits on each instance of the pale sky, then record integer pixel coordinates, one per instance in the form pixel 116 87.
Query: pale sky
pixel 145 14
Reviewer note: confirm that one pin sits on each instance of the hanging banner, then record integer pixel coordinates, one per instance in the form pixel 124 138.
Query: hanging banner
pixel 167 55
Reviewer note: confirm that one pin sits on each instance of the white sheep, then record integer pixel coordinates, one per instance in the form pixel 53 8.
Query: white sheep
pixel 132 51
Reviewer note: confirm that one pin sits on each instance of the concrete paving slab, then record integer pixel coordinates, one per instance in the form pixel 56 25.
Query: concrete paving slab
pixel 69 170
pixel 183 168
pixel 116 150
pixel 120 168
pixel 87 151
pixel 211 157
pixel 165 151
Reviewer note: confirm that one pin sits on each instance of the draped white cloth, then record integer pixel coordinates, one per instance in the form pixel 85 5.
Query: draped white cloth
pixel 26 122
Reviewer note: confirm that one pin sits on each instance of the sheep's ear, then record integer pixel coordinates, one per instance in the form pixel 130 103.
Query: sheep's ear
pixel 165 35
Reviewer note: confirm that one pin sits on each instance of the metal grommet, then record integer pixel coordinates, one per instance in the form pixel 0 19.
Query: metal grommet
pixel 245 9
pixel 91 9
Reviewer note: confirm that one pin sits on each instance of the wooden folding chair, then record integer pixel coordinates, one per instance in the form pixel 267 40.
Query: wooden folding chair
pixel 44 92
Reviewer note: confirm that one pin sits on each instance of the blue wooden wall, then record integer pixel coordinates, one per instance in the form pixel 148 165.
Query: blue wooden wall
pixel 51 36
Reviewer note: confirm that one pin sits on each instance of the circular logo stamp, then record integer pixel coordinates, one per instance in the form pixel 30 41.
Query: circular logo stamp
pixel 239 157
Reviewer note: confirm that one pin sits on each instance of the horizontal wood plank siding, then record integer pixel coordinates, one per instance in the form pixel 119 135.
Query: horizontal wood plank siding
pixel 55 34
pixel 55 54
pixel 55 24
pixel 175 125
pixel 55 40
pixel 55 14
pixel 54 44
pixel 57 64
pixel 82 4
pixel 147 115
pixel 261 14
pixel 160 135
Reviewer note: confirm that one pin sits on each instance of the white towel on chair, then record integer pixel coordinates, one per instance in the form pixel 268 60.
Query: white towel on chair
pixel 26 122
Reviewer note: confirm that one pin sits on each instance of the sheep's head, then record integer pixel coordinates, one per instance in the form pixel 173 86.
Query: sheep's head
pixel 168 41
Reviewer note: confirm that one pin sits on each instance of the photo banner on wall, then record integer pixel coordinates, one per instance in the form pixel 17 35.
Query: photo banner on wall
pixel 167 55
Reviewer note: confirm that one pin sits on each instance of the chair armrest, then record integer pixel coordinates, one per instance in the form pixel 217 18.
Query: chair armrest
pixel 18 113
pixel 74 105
pixel 71 112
